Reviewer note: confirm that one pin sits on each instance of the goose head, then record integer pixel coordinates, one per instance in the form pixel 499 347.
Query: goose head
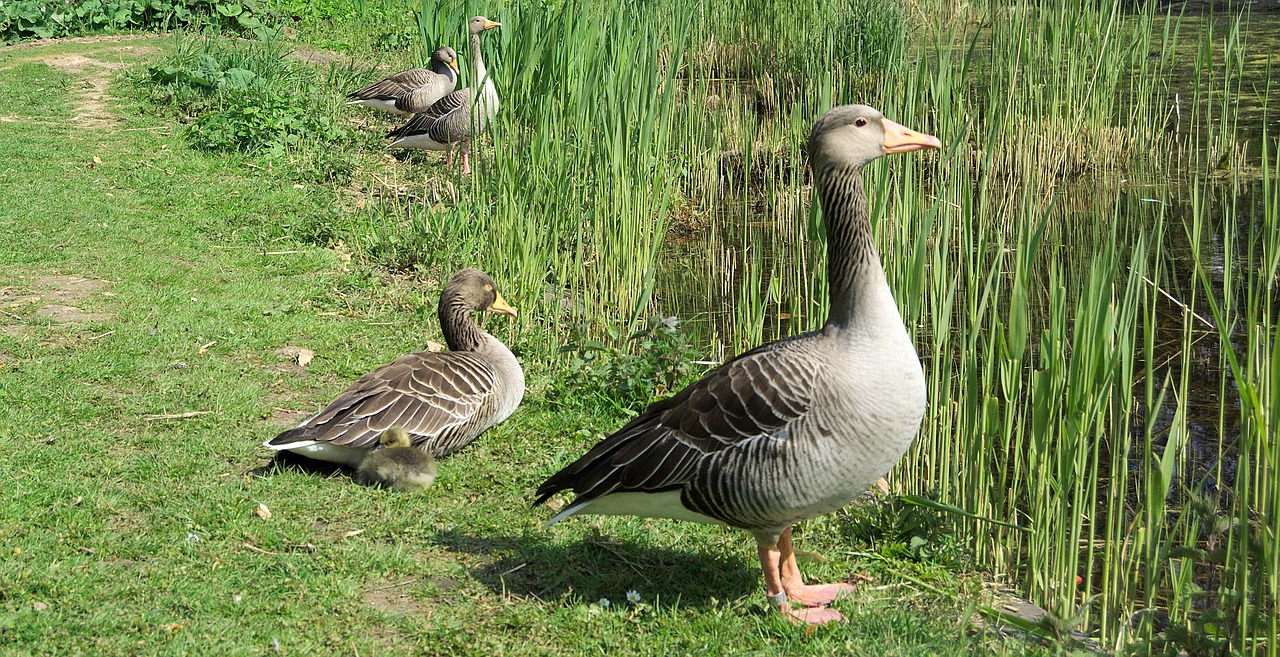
pixel 474 291
pixel 851 136
pixel 446 55
pixel 480 23
pixel 395 437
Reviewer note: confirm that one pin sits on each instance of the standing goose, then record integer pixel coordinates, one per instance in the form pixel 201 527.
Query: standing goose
pixel 456 118
pixel 442 399
pixel 397 464
pixel 412 91
pixel 792 429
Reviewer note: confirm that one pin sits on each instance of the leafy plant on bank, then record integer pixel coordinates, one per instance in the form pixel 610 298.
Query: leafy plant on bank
pixel 898 529
pixel 244 97
pixel 654 362
pixel 42 19
pixel 1212 627
pixel 258 122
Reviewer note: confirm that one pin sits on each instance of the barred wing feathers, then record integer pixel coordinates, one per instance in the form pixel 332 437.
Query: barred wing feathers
pixel 436 397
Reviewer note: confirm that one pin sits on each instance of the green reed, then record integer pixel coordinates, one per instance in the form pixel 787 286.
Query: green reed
pixel 650 159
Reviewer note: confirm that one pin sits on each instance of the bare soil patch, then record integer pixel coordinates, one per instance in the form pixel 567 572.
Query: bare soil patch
pixel 94 69
pixel 58 296
pixel 100 38
pixel 390 600
pixel 95 76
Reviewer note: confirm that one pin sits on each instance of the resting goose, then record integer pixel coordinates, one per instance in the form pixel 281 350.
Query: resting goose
pixel 412 91
pixel 442 399
pixel 792 429
pixel 456 118
pixel 397 464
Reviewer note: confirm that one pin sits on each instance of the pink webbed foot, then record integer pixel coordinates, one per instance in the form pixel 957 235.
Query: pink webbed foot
pixel 811 615
pixel 818 595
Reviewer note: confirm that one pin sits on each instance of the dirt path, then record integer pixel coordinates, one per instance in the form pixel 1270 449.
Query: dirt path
pixel 94 63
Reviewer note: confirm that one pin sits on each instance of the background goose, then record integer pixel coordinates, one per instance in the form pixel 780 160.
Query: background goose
pixel 414 90
pixel 442 399
pixel 397 464
pixel 792 429
pixel 456 118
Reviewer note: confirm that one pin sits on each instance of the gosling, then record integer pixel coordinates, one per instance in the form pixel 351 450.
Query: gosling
pixel 397 464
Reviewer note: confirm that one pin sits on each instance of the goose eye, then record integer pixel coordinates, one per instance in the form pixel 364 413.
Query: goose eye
pixel 860 122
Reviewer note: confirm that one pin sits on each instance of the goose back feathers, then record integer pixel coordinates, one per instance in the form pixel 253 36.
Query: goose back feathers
pixel 443 400
pixel 413 90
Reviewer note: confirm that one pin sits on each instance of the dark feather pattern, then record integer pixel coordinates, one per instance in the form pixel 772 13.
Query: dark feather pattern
pixel 394 86
pixel 436 397
pixel 442 122
pixel 697 440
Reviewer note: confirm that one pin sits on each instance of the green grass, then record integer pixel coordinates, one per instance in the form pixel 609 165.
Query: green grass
pixel 1097 375
pixel 128 535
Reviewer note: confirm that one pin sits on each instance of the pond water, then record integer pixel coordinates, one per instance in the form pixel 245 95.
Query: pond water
pixel 719 252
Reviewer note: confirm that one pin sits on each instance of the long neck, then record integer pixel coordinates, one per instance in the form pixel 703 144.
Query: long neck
pixel 853 265
pixel 485 95
pixel 477 63
pixel 460 331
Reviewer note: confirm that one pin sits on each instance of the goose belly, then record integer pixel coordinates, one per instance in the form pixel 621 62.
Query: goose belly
pixel 666 504
pixel 880 406
pixel 859 428
pixel 377 103
pixel 423 142
pixel 321 451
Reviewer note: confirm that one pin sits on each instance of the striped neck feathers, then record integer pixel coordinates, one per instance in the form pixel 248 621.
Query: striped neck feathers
pixel 460 331
pixel 853 264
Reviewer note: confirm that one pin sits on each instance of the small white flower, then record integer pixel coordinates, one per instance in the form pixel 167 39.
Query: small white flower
pixel 237 598
pixel 633 597
pixel 603 602
pixel 192 538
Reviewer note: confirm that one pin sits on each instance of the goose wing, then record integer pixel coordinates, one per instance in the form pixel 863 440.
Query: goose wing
pixel 450 109
pixel 421 98
pixel 434 396
pixel 744 404
pixel 395 86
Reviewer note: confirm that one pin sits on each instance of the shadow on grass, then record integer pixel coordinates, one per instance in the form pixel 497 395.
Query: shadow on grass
pixel 287 460
pixel 534 566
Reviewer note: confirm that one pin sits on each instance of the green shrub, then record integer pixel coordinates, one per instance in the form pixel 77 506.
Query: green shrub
pixel 258 122
pixel 248 97
pixel 656 361
pixel 46 19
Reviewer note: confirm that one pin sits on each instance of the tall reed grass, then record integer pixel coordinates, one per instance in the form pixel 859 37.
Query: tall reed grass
pixel 1072 263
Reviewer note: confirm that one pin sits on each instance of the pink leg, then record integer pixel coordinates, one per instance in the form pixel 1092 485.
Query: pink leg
pixel 448 155
pixel 793 583
pixel 466 163
pixel 771 561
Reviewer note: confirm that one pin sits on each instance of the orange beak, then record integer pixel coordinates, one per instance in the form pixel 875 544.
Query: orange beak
pixel 500 306
pixel 454 65
pixel 489 25
pixel 898 139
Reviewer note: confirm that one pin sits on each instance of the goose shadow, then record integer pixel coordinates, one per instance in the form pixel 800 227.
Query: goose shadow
pixel 533 566
pixel 288 461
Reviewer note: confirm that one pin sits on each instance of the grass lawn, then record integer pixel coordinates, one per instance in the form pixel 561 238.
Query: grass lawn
pixel 145 289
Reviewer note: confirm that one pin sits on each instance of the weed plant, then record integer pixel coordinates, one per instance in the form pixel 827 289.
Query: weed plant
pixel 47 19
